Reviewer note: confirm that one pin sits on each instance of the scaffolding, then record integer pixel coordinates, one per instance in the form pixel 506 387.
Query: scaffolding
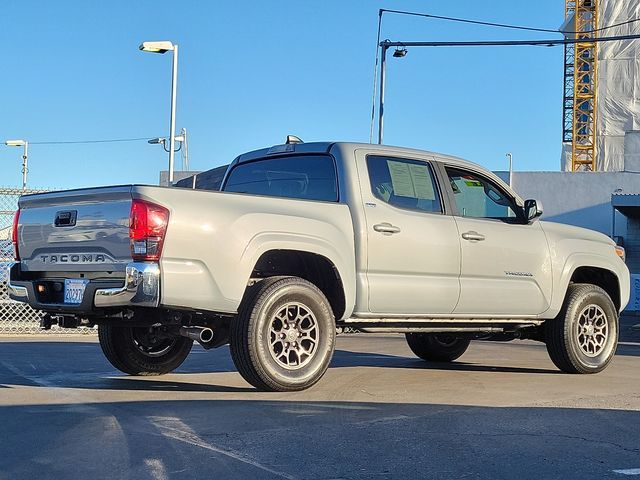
pixel 581 84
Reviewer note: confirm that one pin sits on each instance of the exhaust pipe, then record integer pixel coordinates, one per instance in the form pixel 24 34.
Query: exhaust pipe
pixel 202 335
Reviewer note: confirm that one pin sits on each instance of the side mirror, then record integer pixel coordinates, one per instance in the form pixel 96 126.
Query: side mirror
pixel 532 209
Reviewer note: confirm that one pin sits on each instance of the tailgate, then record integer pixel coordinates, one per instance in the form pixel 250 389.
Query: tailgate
pixel 75 230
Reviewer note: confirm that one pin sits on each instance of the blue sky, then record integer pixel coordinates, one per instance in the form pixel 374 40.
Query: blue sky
pixel 251 72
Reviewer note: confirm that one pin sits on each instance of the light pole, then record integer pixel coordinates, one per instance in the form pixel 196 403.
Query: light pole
pixel 399 53
pixel 25 157
pixel 164 47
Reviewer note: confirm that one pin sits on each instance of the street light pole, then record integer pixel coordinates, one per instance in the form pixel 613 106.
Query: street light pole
pixel 25 157
pixel 400 52
pixel 383 69
pixel 510 169
pixel 172 132
pixel 164 47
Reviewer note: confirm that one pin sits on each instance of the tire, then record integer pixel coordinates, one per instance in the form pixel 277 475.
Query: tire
pixel 137 351
pixel 284 335
pixel 437 347
pixel 584 336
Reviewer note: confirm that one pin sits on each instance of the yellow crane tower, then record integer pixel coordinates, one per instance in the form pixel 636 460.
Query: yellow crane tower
pixel 581 84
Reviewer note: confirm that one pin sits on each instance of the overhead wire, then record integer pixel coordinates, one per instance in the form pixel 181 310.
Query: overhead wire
pixel 68 142
pixel 502 25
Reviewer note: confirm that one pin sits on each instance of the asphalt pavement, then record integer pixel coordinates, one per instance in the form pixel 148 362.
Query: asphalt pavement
pixel 501 412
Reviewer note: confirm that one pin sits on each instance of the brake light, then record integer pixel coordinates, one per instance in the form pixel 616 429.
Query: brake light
pixel 14 235
pixel 147 227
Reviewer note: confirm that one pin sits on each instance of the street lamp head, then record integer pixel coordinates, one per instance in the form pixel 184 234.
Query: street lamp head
pixel 15 143
pixel 400 52
pixel 156 47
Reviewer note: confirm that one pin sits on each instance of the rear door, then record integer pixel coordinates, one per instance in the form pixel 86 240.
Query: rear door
pixel 413 248
pixel 506 264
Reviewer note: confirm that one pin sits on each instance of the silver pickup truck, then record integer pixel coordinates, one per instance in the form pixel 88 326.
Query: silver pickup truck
pixel 306 239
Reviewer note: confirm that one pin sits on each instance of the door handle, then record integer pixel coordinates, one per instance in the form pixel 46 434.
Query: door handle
pixel 386 228
pixel 473 236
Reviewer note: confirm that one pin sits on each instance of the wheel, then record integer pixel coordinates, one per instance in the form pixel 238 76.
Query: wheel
pixel 437 347
pixel 140 351
pixel 584 336
pixel 284 335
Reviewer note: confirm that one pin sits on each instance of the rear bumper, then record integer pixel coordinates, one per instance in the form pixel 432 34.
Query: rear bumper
pixel 141 288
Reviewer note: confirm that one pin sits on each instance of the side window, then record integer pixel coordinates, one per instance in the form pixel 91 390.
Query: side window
pixel 307 177
pixel 477 197
pixel 404 183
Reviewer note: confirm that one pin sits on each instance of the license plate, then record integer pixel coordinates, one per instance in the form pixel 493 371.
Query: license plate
pixel 74 290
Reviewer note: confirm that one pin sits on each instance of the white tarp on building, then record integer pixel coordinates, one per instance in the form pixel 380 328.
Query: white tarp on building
pixel 618 94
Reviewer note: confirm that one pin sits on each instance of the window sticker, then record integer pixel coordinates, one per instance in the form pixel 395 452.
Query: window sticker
pixel 411 180
pixel 401 179
pixel 470 181
pixel 422 183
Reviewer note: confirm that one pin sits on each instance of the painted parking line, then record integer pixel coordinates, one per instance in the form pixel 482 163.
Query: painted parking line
pixel 628 471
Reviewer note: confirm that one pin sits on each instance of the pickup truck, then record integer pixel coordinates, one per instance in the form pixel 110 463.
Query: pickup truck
pixel 306 239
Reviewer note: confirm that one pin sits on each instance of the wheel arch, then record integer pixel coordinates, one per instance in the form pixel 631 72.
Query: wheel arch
pixel 589 268
pixel 311 266
pixel 602 277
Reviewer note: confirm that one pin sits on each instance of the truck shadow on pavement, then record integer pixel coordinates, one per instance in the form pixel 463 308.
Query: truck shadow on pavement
pixel 67 364
pixel 344 358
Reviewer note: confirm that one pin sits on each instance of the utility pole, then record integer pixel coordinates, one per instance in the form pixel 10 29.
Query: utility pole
pixel 185 149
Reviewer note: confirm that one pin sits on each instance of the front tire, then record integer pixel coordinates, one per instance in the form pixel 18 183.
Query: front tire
pixel 140 351
pixel 437 347
pixel 584 336
pixel 284 335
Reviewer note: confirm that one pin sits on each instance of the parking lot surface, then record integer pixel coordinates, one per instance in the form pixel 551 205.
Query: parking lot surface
pixel 502 411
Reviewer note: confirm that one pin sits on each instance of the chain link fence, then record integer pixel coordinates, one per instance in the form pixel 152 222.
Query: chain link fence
pixel 17 317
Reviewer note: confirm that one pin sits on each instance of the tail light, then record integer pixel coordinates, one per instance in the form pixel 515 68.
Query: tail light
pixel 147 227
pixel 14 235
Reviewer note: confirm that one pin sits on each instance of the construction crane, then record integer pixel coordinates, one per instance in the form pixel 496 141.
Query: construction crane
pixel 581 84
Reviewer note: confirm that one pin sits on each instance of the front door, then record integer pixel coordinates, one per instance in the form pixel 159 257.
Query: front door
pixel 506 263
pixel 413 248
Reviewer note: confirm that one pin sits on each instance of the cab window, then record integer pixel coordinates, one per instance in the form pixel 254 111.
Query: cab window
pixel 404 183
pixel 477 197
pixel 307 177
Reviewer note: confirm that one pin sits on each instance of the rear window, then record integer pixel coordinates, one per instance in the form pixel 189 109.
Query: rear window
pixel 307 177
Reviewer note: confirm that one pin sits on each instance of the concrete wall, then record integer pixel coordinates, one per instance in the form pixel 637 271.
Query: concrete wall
pixel 578 198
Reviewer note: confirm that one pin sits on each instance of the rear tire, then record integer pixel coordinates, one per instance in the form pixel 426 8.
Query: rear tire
pixel 139 351
pixel 284 335
pixel 437 347
pixel 584 336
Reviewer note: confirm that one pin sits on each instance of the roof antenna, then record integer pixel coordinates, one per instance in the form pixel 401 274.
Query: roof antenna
pixel 293 139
